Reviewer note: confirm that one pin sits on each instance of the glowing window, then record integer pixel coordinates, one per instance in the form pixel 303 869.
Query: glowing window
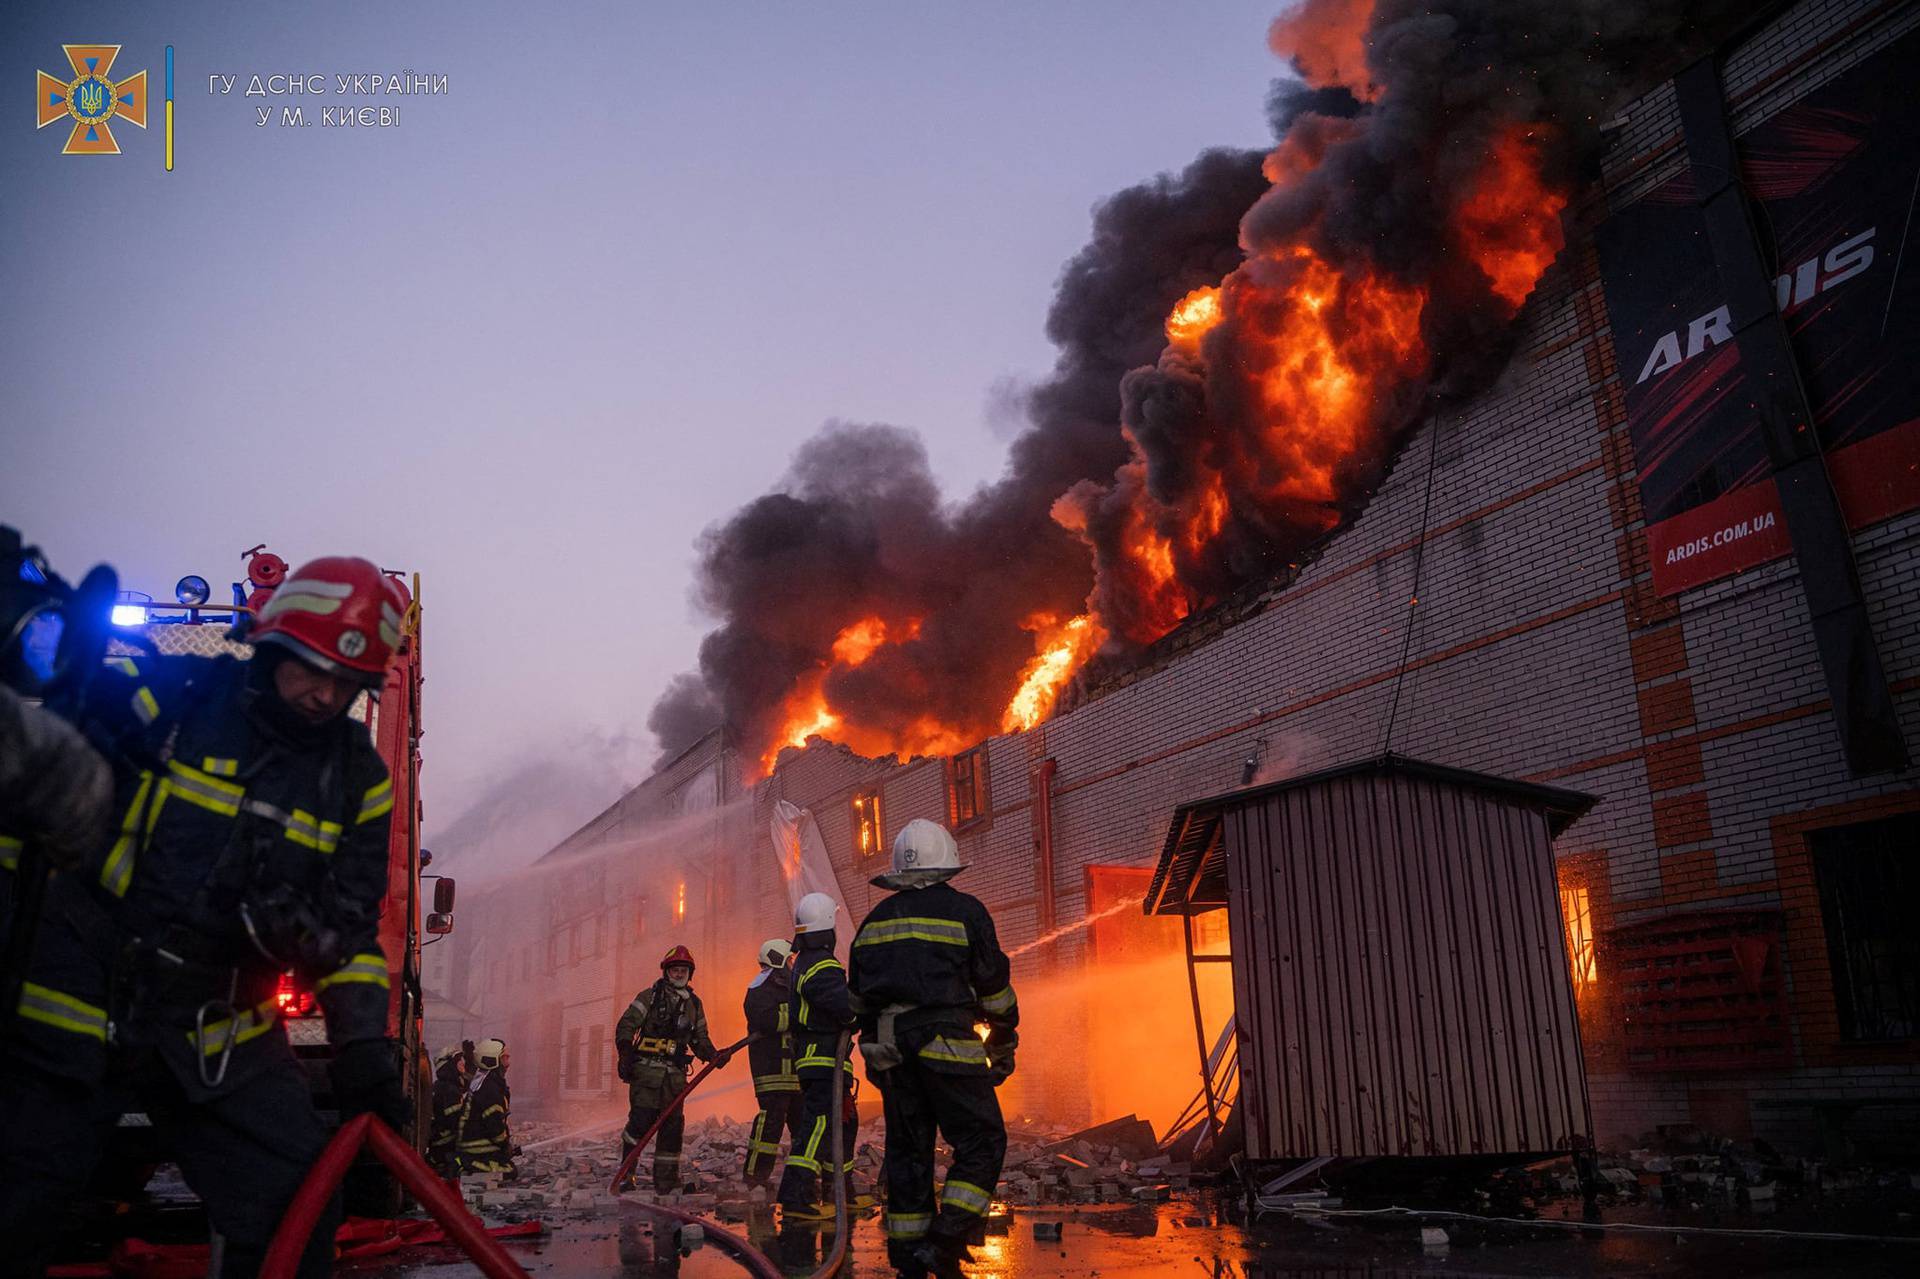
pixel 1577 909
pixel 867 836
pixel 680 902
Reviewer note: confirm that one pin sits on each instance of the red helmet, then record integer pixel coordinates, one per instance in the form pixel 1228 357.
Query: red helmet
pixel 339 613
pixel 678 955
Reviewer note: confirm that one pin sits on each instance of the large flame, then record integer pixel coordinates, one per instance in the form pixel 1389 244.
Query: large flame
pixel 1064 649
pixel 808 711
pixel 1319 355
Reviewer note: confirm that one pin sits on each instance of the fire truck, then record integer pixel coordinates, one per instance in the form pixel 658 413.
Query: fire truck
pixel 194 625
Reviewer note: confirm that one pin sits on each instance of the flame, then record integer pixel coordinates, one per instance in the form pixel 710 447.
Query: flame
pixel 1510 223
pixel 808 712
pixel 1304 356
pixel 855 644
pixel 1330 343
pixel 1193 316
pixel 1063 649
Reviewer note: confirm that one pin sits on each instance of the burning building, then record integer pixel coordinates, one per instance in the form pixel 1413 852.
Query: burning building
pixel 1485 420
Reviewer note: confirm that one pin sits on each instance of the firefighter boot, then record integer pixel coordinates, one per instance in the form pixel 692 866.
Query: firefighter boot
pixel 942 1255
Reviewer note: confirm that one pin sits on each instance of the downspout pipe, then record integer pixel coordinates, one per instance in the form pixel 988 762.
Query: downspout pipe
pixel 1043 839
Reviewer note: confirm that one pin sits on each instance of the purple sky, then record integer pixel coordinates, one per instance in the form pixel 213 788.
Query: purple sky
pixel 533 339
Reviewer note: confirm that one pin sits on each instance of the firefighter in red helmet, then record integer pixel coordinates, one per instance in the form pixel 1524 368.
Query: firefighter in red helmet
pixel 251 819
pixel 662 1030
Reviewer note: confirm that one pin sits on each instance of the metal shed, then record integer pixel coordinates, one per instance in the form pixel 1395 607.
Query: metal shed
pixel 1400 972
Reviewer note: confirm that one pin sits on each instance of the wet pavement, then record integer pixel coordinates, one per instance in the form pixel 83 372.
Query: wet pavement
pixel 1198 1238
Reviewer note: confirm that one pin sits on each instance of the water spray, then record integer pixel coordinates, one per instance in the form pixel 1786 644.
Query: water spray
pixel 1083 923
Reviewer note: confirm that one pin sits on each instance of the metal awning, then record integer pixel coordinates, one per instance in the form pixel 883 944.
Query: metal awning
pixel 1192 875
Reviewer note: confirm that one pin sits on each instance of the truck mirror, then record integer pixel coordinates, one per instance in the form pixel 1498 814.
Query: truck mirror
pixel 443 896
pixel 439 925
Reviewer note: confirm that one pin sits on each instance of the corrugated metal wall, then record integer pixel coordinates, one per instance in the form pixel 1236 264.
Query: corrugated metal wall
pixel 1400 976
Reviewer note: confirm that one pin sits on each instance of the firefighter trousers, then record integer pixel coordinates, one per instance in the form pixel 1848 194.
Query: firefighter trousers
pixel 244 1154
pixel 651 1091
pixel 812 1151
pixel 921 1105
pixel 777 1110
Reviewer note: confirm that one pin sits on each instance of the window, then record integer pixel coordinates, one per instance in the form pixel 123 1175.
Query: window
pixel 968 797
pixel 1576 908
pixel 868 838
pixel 571 1078
pixel 596 1057
pixel 1869 896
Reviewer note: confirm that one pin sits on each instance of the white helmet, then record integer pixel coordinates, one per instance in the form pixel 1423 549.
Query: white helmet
pixel 488 1052
pixel 775 952
pixel 924 853
pixel 814 914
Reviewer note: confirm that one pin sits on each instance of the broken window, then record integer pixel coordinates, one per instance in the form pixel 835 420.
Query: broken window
pixel 968 789
pixel 1576 908
pixel 867 836
pixel 1869 896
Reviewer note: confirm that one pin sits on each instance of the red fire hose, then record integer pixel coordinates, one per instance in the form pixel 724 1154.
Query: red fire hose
pixel 633 1155
pixel 303 1214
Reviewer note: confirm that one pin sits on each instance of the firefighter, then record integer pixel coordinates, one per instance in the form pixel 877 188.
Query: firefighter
pixel 770 1054
pixel 821 1010
pixel 452 1071
pixel 927 969
pixel 250 823
pixel 662 1030
pixel 486 1136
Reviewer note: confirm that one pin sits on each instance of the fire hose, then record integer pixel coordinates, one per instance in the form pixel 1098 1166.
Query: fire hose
pixel 757 1262
pixel 303 1214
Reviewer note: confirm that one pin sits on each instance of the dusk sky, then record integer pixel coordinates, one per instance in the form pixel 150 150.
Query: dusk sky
pixel 533 338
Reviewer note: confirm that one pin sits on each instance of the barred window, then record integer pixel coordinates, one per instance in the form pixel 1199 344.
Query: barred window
pixel 1869 897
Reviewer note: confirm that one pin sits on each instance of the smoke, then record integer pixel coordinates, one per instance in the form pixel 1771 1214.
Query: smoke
pixel 1329 294
pixel 528 806
pixel 857 526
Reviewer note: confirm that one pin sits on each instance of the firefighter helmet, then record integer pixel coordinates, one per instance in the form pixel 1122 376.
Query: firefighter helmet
pixel 924 853
pixel 449 1053
pixel 775 952
pixel 814 914
pixel 678 955
pixel 488 1053
pixel 339 613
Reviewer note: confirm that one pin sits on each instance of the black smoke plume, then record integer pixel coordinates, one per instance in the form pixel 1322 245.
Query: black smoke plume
pixel 1381 144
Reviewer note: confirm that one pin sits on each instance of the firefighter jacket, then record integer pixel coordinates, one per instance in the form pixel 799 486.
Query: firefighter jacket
pixel 486 1143
pixel 821 1008
pixel 769 1013
pixel 927 962
pixel 449 1113
pixel 663 1025
pixel 245 843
